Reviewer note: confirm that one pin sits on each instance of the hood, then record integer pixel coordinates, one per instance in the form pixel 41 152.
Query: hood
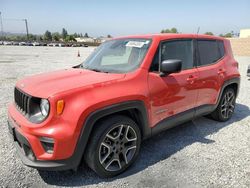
pixel 48 84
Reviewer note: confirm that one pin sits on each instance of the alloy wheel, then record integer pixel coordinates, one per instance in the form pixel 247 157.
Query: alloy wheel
pixel 118 148
pixel 228 104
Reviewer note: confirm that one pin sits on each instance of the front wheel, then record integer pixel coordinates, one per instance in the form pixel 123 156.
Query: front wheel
pixel 225 109
pixel 113 146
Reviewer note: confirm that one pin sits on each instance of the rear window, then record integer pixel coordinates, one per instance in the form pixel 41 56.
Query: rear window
pixel 210 51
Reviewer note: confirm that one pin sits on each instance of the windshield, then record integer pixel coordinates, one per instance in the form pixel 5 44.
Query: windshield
pixel 117 56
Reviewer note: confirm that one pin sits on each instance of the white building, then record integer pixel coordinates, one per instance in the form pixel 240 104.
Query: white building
pixel 85 39
pixel 244 33
pixel 102 39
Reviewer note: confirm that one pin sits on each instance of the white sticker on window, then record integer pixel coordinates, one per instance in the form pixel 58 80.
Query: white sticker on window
pixel 136 44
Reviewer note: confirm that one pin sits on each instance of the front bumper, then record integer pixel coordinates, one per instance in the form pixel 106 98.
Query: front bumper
pixel 27 156
pixel 29 141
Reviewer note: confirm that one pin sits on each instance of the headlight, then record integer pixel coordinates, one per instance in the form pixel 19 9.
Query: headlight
pixel 44 106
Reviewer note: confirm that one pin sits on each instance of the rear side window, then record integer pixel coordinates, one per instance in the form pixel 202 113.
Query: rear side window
pixel 178 49
pixel 221 48
pixel 210 51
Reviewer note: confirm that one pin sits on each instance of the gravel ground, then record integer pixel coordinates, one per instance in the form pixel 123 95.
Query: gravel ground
pixel 201 153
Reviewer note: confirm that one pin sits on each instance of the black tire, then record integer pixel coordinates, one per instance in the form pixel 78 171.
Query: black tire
pixel 226 106
pixel 116 138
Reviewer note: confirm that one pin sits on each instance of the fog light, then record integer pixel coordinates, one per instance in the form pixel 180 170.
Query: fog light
pixel 48 144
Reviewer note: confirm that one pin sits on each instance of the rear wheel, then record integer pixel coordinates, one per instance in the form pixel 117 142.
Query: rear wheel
pixel 114 146
pixel 225 109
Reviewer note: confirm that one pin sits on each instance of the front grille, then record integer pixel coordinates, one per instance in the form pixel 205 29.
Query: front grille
pixel 22 101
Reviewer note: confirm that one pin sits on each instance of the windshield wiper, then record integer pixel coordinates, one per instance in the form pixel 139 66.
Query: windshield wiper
pixel 96 70
pixel 93 69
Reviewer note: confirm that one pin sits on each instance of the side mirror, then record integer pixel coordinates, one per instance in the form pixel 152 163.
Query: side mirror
pixel 170 66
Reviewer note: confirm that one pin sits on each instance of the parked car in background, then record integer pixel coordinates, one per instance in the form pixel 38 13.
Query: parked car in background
pixel 22 43
pixel 61 45
pixel 29 44
pixel 7 43
pixel 50 44
pixel 15 43
pixel 36 44
pixel 127 90
pixel 248 71
pixel 43 44
pixel 68 44
pixel 85 45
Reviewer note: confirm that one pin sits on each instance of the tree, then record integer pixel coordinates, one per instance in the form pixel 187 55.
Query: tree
pixel 32 37
pixel 56 36
pixel 64 33
pixel 227 35
pixel 165 31
pixel 75 35
pixel 109 36
pixel 208 33
pixel 39 38
pixel 173 30
pixel 47 36
pixel 70 38
pixel 86 35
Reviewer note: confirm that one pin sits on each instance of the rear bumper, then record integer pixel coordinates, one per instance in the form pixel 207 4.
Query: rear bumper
pixel 27 156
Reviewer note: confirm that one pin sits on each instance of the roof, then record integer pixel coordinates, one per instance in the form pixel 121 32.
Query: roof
pixel 163 36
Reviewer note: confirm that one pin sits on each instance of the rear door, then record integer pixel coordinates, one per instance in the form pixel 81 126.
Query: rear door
pixel 177 92
pixel 211 70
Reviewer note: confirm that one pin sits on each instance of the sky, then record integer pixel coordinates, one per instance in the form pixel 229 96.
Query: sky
pixel 125 17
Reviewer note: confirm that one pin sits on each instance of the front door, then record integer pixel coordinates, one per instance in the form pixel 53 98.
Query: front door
pixel 177 92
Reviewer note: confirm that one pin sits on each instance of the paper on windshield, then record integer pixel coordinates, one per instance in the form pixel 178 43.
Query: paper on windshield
pixel 136 44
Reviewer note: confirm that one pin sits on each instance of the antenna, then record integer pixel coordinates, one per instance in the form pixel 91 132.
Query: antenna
pixel 26 25
pixel 198 30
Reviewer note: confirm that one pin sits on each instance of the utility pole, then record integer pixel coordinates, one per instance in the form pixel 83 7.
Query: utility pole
pixel 1 20
pixel 27 31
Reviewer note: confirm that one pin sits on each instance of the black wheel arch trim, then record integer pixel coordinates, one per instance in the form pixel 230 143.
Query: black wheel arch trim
pixel 235 80
pixel 109 110
pixel 74 161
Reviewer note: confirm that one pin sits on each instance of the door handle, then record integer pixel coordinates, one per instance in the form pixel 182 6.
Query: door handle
pixel 191 78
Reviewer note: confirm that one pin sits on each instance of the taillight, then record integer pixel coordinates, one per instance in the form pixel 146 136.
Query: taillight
pixel 236 64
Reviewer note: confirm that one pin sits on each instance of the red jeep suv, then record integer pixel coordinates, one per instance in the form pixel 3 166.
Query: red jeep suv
pixel 127 90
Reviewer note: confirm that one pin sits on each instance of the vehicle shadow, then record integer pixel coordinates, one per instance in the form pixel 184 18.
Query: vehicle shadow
pixel 153 150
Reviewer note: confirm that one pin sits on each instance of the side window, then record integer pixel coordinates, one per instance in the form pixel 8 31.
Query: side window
pixel 208 52
pixel 179 49
pixel 221 48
